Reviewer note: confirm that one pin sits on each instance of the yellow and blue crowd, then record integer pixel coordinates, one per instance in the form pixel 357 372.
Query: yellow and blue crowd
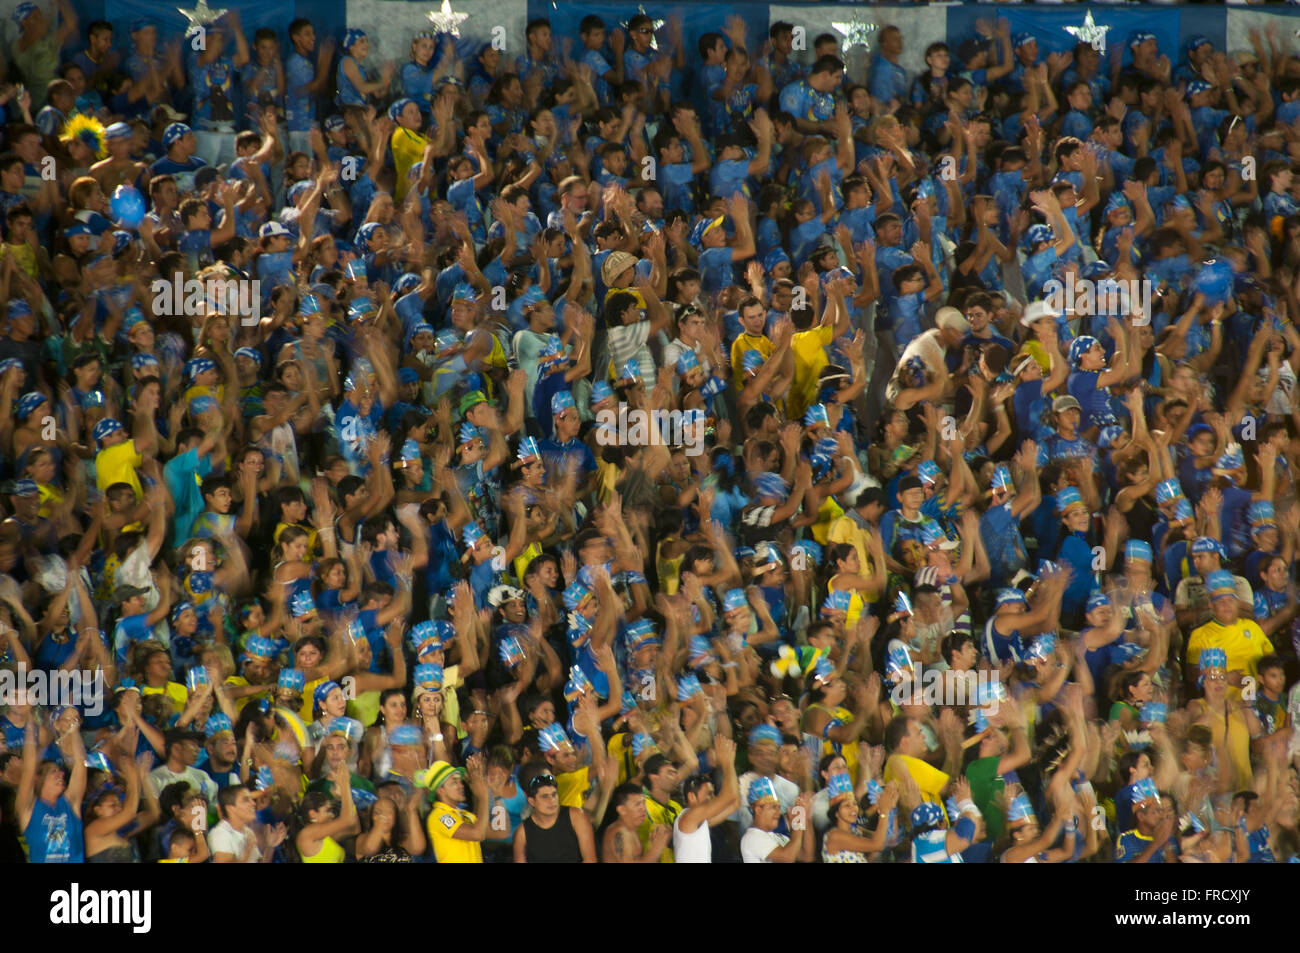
pixel 629 448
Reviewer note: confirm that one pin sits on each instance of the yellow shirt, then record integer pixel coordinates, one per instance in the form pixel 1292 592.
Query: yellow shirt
pixel 364 708
pixel 116 464
pixel 607 483
pixel 408 149
pixel 856 602
pixel 451 681
pixel 50 497
pixel 929 779
pixel 174 691
pixel 845 529
pixel 1244 643
pixel 829 512
pixel 24 257
pixel 531 552
pixel 620 749
pixel 238 681
pixel 747 342
pixel 573 787
pixel 308 700
pixel 656 813
pixel 444 821
pixel 809 348
pixel 1232 733
pixel 670 570
pixel 848 752
pixel 329 853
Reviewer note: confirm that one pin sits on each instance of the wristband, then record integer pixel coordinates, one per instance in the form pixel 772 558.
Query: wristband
pixel 966 805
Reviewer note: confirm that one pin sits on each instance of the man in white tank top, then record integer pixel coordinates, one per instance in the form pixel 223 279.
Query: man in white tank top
pixel 706 809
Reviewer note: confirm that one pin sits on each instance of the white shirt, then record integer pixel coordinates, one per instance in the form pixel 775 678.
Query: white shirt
pixel 162 776
pixel 756 846
pixel 224 839
pixel 693 848
pixel 928 346
pixel 627 342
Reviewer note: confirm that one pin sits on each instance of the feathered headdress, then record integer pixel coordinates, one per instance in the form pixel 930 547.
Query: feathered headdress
pixel 89 131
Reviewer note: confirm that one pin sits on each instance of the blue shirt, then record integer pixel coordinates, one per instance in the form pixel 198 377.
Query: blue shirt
pixel 1077 554
pixel 1095 402
pixel 886 80
pixel 54 834
pixel 183 172
pixel 803 102
pixel 299 105
pixel 729 177
pixel 1131 845
pixel 905 314
pixel 715 269
pixel 1002 538
pixel 600 67
pixel 183 474
pixel 348 94
pixel 464 198
pixel 214 92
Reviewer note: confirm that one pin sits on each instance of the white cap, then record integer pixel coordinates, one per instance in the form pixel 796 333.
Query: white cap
pixel 272 229
pixel 1036 310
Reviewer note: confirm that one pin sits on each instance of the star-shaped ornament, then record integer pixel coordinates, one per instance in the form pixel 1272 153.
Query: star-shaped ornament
pixel 447 20
pixel 857 33
pixel 1091 33
pixel 202 14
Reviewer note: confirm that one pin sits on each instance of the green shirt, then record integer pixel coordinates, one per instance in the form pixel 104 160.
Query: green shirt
pixel 37 65
pixel 985 785
pixel 326 786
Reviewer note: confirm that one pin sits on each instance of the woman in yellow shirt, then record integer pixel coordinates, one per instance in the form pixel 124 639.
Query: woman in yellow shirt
pixel 40 468
pixel 1230 722
pixel 828 719
pixel 846 576
pixel 316 840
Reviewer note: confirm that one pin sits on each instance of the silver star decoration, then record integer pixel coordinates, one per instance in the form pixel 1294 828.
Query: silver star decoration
pixel 855 34
pixel 1091 33
pixel 447 20
pixel 202 14
pixel 657 24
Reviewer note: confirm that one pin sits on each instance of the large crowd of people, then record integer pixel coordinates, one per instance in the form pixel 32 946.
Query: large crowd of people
pixel 613 449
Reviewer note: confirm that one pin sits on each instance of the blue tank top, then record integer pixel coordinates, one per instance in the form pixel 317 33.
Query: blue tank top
pixel 54 834
pixel 348 94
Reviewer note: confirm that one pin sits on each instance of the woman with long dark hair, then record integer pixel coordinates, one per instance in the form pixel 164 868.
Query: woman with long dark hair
pixel 318 824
